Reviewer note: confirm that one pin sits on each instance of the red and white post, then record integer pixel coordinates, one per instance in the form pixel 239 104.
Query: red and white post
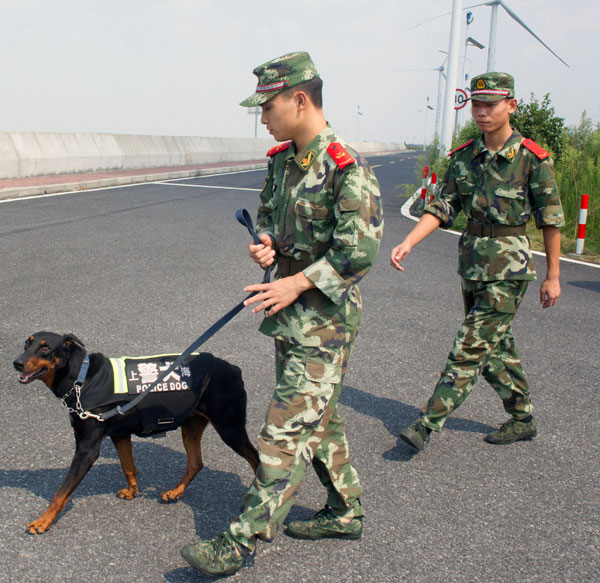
pixel 424 186
pixel 583 210
pixel 433 186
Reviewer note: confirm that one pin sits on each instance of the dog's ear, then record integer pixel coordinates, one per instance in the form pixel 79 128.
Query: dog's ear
pixel 70 340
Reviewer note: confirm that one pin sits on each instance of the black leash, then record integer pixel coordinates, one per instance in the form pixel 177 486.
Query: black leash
pixel 243 217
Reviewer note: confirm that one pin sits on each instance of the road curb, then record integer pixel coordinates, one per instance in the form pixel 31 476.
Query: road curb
pixel 40 189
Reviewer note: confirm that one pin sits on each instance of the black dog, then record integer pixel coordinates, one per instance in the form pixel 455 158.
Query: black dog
pixel 217 396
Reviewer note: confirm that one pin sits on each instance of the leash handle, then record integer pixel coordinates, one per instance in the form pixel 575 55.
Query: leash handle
pixel 243 216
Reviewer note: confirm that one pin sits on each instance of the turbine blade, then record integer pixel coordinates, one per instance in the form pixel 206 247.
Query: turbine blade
pixel 489 2
pixel 429 20
pixel 436 69
pixel 518 20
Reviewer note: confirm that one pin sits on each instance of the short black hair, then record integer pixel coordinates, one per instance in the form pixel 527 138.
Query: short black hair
pixel 313 88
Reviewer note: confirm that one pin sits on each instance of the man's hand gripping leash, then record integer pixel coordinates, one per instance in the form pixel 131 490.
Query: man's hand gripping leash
pixel 276 295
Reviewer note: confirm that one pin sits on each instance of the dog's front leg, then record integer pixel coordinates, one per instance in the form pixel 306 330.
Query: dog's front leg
pixel 86 453
pixel 123 446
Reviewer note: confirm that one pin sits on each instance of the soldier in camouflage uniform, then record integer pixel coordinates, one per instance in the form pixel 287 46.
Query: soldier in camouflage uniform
pixel 320 220
pixel 498 181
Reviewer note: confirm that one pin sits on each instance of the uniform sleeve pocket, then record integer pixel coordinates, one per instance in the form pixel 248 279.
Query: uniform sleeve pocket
pixel 347 205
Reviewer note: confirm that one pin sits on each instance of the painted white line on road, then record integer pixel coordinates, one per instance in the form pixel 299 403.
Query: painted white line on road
pixel 115 186
pixel 165 183
pixel 82 191
pixel 406 212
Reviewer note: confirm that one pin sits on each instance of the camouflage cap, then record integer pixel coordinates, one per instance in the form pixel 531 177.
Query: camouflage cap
pixel 279 74
pixel 492 87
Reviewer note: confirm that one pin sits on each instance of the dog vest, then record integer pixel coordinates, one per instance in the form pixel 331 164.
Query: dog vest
pixel 167 406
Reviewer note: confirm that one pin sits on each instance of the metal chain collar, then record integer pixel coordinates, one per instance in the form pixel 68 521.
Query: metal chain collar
pixel 79 410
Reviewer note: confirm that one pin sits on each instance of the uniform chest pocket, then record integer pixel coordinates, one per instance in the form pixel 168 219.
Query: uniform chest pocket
pixel 511 204
pixel 510 192
pixel 314 225
pixel 312 210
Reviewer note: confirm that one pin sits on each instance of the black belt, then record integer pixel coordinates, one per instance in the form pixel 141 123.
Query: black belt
pixel 481 230
pixel 287 266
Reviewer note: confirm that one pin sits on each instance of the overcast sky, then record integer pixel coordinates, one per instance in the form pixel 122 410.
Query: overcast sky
pixel 181 67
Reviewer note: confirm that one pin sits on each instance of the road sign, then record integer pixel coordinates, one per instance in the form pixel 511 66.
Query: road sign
pixel 460 99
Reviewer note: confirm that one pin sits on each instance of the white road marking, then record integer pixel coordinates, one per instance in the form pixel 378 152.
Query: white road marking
pixel 405 211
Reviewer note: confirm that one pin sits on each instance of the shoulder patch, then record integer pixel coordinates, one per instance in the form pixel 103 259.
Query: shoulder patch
pixel 535 148
pixel 460 147
pixel 278 148
pixel 340 155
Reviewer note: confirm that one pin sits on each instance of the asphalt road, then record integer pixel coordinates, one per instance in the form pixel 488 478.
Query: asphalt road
pixel 145 269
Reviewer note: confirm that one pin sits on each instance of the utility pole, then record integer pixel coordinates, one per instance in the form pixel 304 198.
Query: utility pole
pixel 491 62
pixel 425 111
pixel 358 114
pixel 449 95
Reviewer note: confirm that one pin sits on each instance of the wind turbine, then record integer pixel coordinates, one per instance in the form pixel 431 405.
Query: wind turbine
pixel 451 74
pixel 493 28
pixel 491 63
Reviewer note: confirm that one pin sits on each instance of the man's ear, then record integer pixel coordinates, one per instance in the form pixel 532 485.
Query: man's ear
pixel 301 99
pixel 512 105
pixel 70 340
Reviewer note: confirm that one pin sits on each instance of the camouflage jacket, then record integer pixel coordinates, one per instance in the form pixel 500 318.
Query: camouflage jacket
pixel 502 188
pixel 326 220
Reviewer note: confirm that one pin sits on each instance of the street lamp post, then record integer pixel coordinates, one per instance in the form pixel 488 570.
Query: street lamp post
pixel 427 108
pixel 256 112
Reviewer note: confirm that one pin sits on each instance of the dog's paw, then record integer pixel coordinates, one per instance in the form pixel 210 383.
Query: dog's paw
pixel 172 495
pixel 39 526
pixel 127 493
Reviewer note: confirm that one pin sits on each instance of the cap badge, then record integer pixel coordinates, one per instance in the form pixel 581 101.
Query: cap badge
pixel 480 84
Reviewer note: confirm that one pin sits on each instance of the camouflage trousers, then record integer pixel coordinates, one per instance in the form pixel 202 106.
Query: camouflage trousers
pixel 484 345
pixel 301 427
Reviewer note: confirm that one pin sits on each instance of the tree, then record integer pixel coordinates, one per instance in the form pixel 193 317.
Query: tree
pixel 539 122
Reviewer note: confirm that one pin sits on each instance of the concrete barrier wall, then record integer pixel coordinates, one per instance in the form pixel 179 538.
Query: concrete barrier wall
pixel 26 154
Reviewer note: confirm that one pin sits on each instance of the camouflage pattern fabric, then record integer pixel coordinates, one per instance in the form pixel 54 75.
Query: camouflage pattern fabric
pixel 484 345
pixel 301 426
pixel 327 223
pixel 503 188
pixel 492 86
pixel 280 74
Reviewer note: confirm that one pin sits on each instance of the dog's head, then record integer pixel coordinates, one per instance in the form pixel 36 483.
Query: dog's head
pixel 44 354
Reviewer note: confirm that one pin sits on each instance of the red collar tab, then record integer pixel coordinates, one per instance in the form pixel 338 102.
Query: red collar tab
pixel 339 155
pixel 535 148
pixel 461 147
pixel 279 148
